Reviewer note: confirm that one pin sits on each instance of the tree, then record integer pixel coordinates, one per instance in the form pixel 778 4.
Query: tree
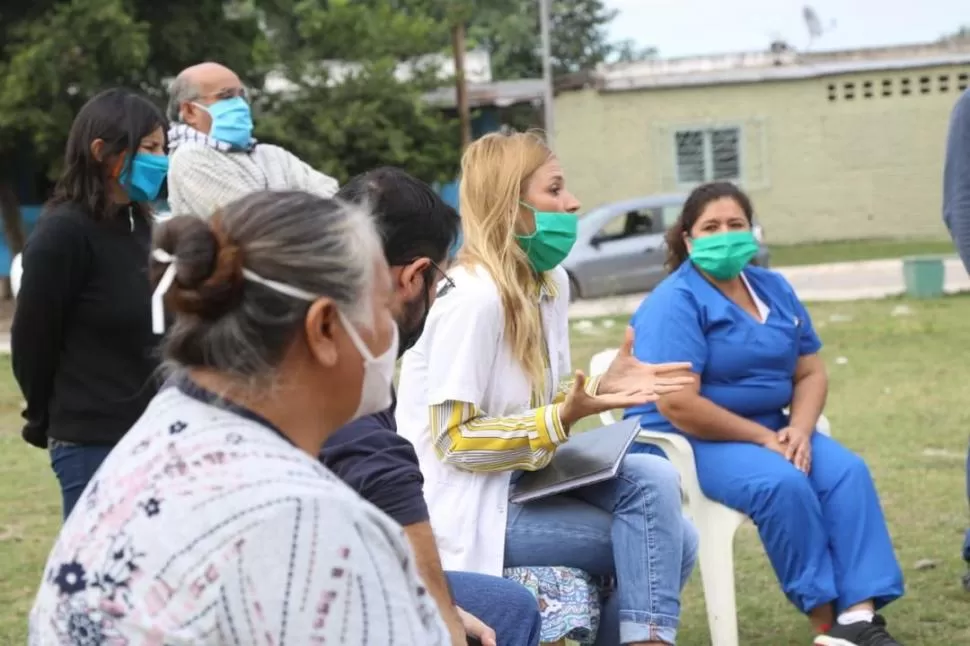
pixel 628 51
pixel 509 30
pixel 57 54
pixel 349 109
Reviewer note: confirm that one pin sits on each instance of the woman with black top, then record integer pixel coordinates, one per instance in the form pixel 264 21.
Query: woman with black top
pixel 82 341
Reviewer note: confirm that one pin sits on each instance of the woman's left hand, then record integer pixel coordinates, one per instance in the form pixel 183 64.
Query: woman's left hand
pixel 798 446
pixel 629 374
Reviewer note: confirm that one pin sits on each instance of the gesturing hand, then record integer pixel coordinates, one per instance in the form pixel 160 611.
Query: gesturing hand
pixel 628 374
pixel 580 404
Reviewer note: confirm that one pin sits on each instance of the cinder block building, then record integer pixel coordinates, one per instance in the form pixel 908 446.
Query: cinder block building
pixel 831 146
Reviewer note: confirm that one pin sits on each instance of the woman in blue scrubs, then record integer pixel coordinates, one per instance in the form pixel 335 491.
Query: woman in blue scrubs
pixel 754 352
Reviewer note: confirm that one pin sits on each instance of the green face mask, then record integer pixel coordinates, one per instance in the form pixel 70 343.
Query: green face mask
pixel 554 237
pixel 724 255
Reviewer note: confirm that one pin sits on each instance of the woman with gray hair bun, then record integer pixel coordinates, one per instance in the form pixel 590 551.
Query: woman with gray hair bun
pixel 212 522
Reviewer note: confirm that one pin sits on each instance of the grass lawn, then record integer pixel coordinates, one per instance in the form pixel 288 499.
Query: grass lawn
pixel 898 396
pixel 826 252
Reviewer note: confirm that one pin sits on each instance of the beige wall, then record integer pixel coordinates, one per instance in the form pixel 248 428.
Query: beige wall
pixel 816 169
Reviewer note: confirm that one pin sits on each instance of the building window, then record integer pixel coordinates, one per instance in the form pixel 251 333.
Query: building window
pixel 887 87
pixel 832 92
pixel 849 89
pixel 904 87
pixel 924 85
pixel 867 89
pixel 944 83
pixel 962 82
pixel 708 155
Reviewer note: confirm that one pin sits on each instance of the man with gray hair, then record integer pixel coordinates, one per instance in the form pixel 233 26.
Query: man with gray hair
pixel 213 158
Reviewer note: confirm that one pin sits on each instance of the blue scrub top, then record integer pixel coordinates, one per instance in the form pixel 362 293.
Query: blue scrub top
pixel 746 366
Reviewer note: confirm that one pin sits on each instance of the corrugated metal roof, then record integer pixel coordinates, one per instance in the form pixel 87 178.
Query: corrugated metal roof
pixel 758 67
pixel 499 94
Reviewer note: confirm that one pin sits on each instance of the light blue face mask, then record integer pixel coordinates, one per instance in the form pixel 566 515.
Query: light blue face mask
pixel 232 121
pixel 142 179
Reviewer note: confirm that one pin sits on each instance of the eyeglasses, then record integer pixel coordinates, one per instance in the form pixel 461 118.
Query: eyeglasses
pixel 227 93
pixel 445 278
pixel 445 284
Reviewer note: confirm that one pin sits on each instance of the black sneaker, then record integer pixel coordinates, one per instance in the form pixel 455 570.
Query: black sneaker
pixel 861 633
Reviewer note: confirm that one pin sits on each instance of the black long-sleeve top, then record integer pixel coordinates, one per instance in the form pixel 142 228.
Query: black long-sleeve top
pixel 83 349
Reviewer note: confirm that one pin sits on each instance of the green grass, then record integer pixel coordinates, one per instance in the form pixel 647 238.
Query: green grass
pixel 899 398
pixel 826 252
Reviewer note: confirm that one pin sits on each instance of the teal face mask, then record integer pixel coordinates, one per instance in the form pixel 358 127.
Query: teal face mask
pixel 554 237
pixel 143 178
pixel 724 255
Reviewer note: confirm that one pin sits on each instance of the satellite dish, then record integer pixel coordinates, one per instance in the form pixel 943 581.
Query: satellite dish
pixel 814 25
pixel 812 22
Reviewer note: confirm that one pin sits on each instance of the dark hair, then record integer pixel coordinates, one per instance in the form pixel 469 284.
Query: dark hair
pixel 225 321
pixel 413 220
pixel 694 207
pixel 121 119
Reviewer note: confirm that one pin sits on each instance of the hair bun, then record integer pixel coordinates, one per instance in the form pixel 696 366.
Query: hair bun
pixel 208 266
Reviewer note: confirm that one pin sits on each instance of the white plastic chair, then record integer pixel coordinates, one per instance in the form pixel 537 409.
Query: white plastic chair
pixel 16 272
pixel 715 523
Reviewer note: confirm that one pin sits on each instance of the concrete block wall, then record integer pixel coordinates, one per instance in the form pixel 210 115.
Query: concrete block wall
pixel 820 158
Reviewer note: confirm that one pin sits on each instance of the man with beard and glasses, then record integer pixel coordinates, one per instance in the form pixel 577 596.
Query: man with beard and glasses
pixel 418 230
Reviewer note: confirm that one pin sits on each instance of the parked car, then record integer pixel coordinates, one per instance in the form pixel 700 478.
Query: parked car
pixel 620 247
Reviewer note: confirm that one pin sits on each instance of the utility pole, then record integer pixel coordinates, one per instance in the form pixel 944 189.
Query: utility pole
pixel 461 86
pixel 547 95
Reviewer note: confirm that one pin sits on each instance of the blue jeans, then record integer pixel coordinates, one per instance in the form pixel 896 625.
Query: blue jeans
pixel 631 527
pixel 504 606
pixel 75 465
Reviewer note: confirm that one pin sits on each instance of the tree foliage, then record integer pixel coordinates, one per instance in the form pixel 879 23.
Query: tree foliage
pixel 346 119
pixel 55 54
pixel 509 30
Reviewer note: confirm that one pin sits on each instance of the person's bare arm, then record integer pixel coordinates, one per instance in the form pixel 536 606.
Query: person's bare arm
pixel 429 568
pixel 696 415
pixel 811 387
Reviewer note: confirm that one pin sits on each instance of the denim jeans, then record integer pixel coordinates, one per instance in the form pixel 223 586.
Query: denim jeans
pixel 504 606
pixel 631 527
pixel 75 465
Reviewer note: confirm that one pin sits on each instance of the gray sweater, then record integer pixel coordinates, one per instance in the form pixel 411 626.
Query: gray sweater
pixel 956 178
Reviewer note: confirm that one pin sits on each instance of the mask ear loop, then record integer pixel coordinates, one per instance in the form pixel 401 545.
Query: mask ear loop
pixel 158 296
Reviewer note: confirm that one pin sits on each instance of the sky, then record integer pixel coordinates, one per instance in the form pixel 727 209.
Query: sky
pixel 690 27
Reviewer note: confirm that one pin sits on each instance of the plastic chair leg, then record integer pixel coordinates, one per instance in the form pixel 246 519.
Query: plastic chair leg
pixel 716 556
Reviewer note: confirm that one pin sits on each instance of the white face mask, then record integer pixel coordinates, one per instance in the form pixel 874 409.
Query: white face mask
pixel 375 395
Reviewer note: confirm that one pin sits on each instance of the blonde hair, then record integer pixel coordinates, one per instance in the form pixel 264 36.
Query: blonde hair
pixel 495 171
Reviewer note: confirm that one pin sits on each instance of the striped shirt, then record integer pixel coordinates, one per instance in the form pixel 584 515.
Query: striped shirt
pixel 202 177
pixel 467 438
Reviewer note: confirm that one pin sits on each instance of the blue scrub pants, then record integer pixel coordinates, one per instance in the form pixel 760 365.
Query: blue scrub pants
pixel 824 532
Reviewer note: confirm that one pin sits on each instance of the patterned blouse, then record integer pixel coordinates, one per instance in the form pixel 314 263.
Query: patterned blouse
pixel 206 526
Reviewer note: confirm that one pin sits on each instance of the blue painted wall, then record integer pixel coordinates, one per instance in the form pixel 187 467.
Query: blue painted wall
pixel 30 215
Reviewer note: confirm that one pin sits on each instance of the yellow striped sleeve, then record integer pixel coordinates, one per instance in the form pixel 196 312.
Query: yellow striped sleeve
pixel 592 385
pixel 465 438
